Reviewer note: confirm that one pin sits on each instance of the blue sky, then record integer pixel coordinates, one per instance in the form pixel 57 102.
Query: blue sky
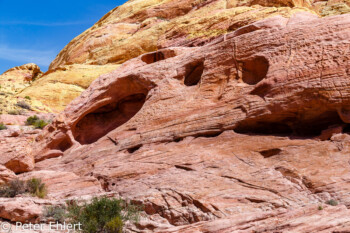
pixel 36 31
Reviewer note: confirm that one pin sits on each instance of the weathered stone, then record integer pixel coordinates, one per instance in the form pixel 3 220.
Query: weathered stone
pixel 65 184
pixel 212 123
pixel 208 137
pixel 6 175
pixel 20 210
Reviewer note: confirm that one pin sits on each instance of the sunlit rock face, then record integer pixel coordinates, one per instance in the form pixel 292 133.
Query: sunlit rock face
pixel 139 27
pixel 248 132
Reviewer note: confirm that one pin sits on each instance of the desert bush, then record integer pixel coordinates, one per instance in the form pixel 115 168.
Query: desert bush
pixel 31 120
pixel 23 104
pixel 36 187
pixel 13 188
pixel 36 122
pixel 40 124
pixel 2 126
pixel 102 214
pixel 56 212
pixel 332 202
pixel 27 97
pixel 114 225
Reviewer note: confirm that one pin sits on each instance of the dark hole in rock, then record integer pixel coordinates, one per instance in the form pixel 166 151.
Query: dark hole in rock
pixel 194 73
pixel 209 134
pixel 310 124
pixel 271 152
pixel 254 70
pixel 274 3
pixel 178 139
pixel 64 145
pixel 262 89
pixel 134 149
pixel 264 128
pixel 51 129
pixel 346 129
pixel 150 58
pixel 105 119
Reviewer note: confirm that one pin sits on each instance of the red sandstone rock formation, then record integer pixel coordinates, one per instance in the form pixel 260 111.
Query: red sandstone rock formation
pixel 219 138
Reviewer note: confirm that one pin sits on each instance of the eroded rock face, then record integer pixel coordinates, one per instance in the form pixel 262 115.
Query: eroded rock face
pixel 6 175
pixel 20 209
pixel 13 82
pixel 16 148
pixel 58 87
pixel 223 137
pixel 133 29
pixel 140 27
pixel 241 81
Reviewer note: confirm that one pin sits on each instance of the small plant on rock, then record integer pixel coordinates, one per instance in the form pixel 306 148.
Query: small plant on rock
pixel 24 105
pixel 27 97
pixel 102 214
pixel 31 120
pixel 36 187
pixel 57 213
pixel 2 126
pixel 332 202
pixel 114 225
pixel 36 122
pixel 13 188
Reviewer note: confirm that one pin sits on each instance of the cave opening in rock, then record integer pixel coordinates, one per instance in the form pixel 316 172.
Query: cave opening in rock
pixel 270 152
pixel 274 3
pixel 107 118
pixel 310 124
pixel 65 144
pixel 254 70
pixel 194 73
pixel 134 149
pixel 150 58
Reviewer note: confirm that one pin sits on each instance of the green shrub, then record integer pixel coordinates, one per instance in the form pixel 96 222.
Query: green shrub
pixel 102 214
pixel 114 225
pixel 36 122
pixel 31 120
pixel 13 188
pixel 24 105
pixel 27 97
pixel 320 207
pixel 40 124
pixel 332 202
pixel 56 212
pixel 36 187
pixel 2 126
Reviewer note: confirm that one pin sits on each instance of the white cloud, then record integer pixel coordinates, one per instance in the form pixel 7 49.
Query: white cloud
pixel 24 56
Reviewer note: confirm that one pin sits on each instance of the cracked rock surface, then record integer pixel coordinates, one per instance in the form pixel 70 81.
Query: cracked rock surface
pixel 248 133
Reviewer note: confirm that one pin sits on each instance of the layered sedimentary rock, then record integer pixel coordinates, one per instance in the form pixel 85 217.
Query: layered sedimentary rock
pixel 142 26
pixel 58 87
pixel 145 26
pixel 12 82
pixel 241 134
